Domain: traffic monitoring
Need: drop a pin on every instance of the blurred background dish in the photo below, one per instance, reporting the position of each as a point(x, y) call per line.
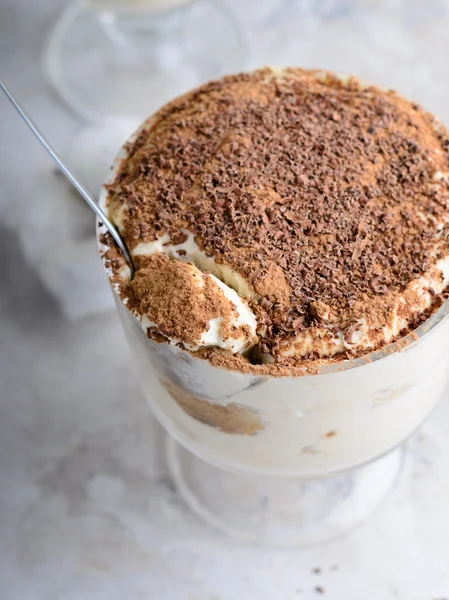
point(115, 59)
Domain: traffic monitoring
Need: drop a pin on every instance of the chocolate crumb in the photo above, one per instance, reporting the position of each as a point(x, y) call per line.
point(331, 434)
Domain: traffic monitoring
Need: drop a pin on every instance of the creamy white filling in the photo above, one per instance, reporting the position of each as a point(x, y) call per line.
point(120, 216)
point(440, 176)
point(199, 258)
point(213, 335)
point(328, 343)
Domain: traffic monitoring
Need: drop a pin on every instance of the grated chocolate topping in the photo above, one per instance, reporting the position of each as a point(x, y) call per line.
point(328, 197)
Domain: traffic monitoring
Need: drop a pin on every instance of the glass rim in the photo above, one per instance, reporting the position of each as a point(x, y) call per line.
point(401, 344)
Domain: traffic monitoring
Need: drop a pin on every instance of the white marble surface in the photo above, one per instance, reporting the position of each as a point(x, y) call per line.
point(87, 510)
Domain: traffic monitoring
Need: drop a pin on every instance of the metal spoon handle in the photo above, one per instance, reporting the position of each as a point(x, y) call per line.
point(76, 184)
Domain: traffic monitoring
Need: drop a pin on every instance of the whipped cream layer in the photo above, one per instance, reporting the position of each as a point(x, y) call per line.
point(190, 252)
point(234, 330)
point(333, 339)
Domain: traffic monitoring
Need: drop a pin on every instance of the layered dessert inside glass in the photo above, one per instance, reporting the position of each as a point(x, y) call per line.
point(290, 236)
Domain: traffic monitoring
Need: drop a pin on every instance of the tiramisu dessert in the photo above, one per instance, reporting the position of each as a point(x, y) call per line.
point(283, 222)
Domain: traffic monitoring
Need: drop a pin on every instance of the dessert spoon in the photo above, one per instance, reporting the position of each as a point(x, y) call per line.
point(72, 179)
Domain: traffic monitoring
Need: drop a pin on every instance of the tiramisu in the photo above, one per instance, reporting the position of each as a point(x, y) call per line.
point(283, 217)
point(289, 223)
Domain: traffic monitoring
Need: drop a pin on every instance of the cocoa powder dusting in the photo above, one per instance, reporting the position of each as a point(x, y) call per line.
point(230, 418)
point(324, 195)
point(194, 300)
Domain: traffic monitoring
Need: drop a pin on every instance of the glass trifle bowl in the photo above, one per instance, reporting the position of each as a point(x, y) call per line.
point(290, 456)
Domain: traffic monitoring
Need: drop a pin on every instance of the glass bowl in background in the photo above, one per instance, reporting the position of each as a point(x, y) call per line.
point(125, 58)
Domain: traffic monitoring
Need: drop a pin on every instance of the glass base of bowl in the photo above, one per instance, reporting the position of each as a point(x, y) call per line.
point(279, 511)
